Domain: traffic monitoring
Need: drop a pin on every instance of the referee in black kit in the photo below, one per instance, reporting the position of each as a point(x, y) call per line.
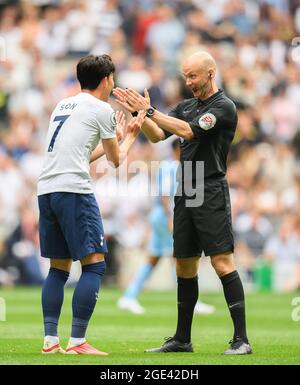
point(206, 125)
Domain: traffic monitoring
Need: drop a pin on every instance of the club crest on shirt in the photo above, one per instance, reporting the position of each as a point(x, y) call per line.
point(113, 119)
point(207, 121)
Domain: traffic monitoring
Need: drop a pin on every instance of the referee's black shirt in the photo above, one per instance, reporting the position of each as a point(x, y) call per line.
point(213, 122)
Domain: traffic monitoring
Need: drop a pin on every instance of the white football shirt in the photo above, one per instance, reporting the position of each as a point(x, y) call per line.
point(76, 126)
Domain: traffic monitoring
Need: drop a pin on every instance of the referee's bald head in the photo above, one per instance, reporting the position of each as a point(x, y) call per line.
point(202, 61)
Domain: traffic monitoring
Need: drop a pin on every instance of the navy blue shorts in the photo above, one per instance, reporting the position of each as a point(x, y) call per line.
point(70, 226)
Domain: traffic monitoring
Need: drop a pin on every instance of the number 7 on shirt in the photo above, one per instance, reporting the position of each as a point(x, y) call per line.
point(61, 119)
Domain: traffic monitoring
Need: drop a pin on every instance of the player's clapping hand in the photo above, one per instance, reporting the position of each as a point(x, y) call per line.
point(135, 124)
point(121, 125)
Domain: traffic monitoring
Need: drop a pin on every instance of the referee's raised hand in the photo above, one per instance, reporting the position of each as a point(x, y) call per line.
point(121, 99)
point(131, 100)
point(137, 101)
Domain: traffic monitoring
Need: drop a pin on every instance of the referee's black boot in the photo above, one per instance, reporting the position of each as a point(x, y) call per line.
point(171, 345)
point(238, 347)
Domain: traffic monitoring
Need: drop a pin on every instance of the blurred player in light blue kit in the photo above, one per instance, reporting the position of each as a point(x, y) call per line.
point(161, 240)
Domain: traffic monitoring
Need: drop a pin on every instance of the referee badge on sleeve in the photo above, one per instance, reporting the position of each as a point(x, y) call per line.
point(207, 121)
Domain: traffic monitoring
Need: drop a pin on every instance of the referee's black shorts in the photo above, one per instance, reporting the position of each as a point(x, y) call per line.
point(206, 228)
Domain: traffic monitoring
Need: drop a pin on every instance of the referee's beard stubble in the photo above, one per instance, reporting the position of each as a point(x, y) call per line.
point(204, 89)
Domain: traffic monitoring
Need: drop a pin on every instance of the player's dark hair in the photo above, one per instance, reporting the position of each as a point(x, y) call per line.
point(92, 69)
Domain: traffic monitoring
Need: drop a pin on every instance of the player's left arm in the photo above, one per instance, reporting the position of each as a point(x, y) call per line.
point(120, 132)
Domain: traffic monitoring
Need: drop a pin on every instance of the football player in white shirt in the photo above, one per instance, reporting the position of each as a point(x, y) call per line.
point(70, 223)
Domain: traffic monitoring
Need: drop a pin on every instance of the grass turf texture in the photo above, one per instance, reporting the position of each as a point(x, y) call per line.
point(274, 335)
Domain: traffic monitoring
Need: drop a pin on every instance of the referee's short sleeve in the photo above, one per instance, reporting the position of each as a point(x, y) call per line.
point(174, 112)
point(106, 121)
point(217, 116)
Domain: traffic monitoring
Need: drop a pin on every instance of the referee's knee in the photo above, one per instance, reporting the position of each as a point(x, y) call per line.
point(223, 263)
point(187, 268)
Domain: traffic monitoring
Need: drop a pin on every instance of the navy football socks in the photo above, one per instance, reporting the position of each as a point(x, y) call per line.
point(85, 297)
point(52, 299)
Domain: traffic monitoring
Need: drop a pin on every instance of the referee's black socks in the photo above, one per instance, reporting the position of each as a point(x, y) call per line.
point(234, 295)
point(187, 296)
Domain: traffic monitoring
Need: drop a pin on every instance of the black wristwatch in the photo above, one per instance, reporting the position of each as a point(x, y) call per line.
point(150, 112)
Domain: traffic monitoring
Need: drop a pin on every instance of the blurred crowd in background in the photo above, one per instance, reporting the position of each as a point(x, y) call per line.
point(255, 47)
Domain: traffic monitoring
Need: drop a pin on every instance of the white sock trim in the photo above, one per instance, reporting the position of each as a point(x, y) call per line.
point(51, 339)
point(76, 341)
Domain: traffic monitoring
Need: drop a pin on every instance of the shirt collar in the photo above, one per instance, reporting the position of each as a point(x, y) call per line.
point(212, 97)
point(86, 95)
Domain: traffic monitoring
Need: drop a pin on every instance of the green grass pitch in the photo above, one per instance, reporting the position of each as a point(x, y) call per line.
point(274, 335)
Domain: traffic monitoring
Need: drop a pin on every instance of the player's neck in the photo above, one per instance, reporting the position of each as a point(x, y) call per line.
point(97, 93)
